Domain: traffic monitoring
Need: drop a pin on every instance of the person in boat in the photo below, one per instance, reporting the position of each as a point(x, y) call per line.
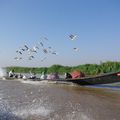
point(53, 76)
point(11, 73)
point(68, 75)
point(33, 76)
point(20, 76)
point(43, 76)
point(24, 77)
point(49, 76)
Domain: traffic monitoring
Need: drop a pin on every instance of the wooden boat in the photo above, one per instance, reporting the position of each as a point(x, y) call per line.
point(99, 79)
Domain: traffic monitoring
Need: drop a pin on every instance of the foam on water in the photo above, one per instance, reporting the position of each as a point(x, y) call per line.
point(42, 111)
point(5, 112)
point(46, 82)
point(43, 82)
point(2, 72)
point(32, 82)
point(76, 116)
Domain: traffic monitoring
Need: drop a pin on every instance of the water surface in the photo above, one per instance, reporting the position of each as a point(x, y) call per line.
point(32, 100)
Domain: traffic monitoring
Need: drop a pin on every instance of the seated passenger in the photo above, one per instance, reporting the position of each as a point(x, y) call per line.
point(49, 76)
point(68, 75)
point(33, 76)
point(56, 76)
point(53, 76)
point(24, 77)
point(43, 76)
point(20, 76)
point(11, 74)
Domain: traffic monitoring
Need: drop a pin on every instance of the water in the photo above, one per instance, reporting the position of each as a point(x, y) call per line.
point(30, 100)
point(113, 86)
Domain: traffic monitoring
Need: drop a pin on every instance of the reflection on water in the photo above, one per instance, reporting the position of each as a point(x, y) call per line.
point(33, 100)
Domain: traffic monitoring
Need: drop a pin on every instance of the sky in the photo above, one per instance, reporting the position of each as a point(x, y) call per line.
point(96, 23)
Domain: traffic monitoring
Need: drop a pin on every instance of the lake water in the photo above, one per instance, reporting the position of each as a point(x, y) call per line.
point(35, 100)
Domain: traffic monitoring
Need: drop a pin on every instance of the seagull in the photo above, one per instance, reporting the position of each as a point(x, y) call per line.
point(55, 53)
point(26, 47)
point(32, 56)
point(46, 38)
point(76, 49)
point(41, 44)
point(36, 47)
point(18, 51)
point(17, 58)
point(72, 37)
point(32, 50)
point(22, 49)
point(45, 50)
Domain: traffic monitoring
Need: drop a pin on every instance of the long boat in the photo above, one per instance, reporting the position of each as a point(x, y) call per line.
point(99, 79)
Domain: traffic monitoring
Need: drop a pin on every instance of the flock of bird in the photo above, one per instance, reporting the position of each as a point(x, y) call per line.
point(31, 51)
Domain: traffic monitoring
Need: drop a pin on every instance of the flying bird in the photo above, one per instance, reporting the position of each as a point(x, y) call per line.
point(34, 49)
point(31, 57)
point(54, 53)
point(18, 58)
point(41, 44)
point(46, 38)
point(26, 47)
point(22, 49)
point(72, 37)
point(45, 51)
point(76, 49)
point(18, 51)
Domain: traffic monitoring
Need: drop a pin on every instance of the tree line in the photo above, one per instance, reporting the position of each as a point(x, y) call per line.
point(88, 69)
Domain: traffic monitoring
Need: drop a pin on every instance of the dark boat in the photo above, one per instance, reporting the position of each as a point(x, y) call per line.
point(99, 79)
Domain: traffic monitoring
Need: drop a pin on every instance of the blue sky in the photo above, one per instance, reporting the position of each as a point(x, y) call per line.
point(95, 22)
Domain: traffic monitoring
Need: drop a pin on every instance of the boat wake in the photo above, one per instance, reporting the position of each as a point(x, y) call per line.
point(2, 73)
point(46, 82)
point(26, 112)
